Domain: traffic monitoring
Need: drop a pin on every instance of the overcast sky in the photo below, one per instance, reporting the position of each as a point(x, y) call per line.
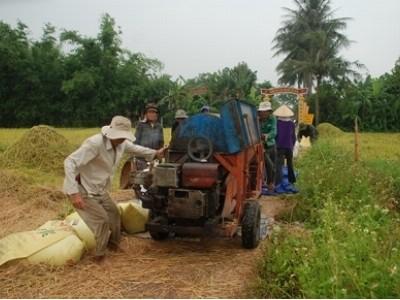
point(197, 36)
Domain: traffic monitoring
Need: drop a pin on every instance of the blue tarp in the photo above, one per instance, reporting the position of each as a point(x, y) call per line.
point(232, 132)
point(284, 187)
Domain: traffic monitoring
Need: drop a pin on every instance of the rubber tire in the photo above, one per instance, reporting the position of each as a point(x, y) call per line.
point(251, 224)
point(158, 236)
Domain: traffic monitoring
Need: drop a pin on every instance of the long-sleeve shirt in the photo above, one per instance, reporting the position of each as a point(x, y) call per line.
point(96, 161)
point(149, 135)
point(268, 127)
point(286, 136)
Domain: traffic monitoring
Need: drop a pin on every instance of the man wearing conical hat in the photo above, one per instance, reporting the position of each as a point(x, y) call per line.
point(285, 140)
point(88, 173)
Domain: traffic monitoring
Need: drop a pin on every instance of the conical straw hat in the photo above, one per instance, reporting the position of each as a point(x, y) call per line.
point(283, 111)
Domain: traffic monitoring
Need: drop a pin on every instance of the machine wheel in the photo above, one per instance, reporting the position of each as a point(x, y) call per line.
point(200, 149)
point(251, 224)
point(158, 236)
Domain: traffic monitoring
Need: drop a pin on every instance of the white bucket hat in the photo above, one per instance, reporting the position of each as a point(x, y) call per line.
point(283, 111)
point(264, 106)
point(120, 128)
point(181, 114)
point(205, 108)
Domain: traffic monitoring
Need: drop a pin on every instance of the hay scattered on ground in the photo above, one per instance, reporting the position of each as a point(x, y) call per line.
point(217, 268)
point(210, 268)
point(12, 183)
point(16, 185)
point(41, 147)
point(25, 206)
point(329, 130)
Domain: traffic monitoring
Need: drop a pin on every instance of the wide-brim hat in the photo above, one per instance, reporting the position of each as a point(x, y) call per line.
point(181, 114)
point(205, 108)
point(264, 106)
point(283, 111)
point(151, 106)
point(120, 128)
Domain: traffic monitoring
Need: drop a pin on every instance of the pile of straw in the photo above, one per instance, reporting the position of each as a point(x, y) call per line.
point(329, 130)
point(41, 147)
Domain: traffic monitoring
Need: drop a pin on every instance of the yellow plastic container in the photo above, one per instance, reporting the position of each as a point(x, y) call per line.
point(133, 217)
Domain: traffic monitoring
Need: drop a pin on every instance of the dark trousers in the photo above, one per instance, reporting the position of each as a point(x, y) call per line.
point(282, 154)
point(270, 162)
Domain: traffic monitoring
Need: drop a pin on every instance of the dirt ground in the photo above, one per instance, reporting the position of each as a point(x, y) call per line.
point(207, 268)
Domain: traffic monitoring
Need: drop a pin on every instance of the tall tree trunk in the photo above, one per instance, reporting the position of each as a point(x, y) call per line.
point(316, 110)
point(308, 82)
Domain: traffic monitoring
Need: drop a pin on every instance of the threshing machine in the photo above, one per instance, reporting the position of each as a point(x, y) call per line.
point(211, 178)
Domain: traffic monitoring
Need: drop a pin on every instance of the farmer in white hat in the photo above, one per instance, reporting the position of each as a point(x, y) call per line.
point(285, 140)
point(88, 173)
point(180, 116)
point(268, 131)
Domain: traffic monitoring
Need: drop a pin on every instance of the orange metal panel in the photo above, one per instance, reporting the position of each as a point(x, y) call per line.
point(239, 187)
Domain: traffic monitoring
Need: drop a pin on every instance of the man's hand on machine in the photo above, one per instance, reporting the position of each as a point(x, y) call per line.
point(161, 152)
point(77, 201)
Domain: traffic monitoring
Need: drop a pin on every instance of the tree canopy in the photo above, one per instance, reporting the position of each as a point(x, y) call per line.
point(73, 80)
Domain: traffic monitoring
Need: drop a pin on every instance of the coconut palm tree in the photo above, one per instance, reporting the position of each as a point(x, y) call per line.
point(311, 39)
point(177, 96)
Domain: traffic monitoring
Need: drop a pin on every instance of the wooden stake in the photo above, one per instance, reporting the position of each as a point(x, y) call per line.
point(356, 141)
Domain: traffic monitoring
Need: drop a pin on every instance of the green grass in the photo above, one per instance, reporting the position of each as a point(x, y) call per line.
point(349, 246)
point(383, 146)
